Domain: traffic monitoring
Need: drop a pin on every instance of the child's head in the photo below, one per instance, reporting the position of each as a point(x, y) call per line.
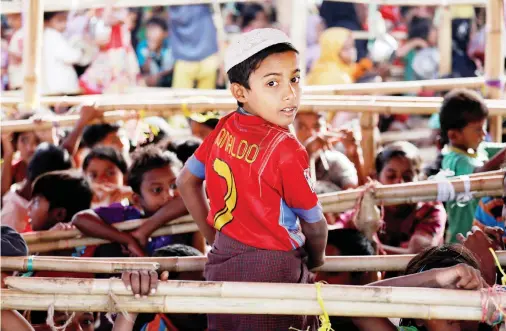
point(105, 165)
point(263, 68)
point(56, 197)
point(337, 45)
point(438, 257)
point(81, 321)
point(254, 17)
point(25, 142)
point(202, 124)
point(106, 135)
point(308, 124)
point(397, 163)
point(156, 32)
point(184, 149)
point(56, 20)
point(152, 177)
point(14, 21)
point(48, 157)
point(463, 119)
point(179, 250)
point(421, 27)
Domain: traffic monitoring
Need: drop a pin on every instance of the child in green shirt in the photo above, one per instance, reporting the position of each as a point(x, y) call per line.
point(463, 120)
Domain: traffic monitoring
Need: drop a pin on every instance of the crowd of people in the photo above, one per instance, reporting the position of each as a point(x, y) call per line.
point(245, 177)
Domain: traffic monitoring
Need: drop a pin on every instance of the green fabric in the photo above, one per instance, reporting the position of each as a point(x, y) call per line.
point(407, 328)
point(491, 148)
point(460, 218)
point(409, 73)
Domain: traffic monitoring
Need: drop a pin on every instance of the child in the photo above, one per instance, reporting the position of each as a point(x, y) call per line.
point(154, 54)
point(148, 322)
point(184, 149)
point(107, 135)
point(15, 58)
point(105, 168)
point(263, 209)
point(202, 124)
point(463, 118)
point(59, 75)
point(46, 158)
point(56, 197)
point(152, 177)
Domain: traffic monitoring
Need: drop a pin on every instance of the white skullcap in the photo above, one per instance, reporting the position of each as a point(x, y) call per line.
point(248, 44)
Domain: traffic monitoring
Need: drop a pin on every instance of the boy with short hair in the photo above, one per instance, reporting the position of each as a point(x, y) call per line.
point(263, 210)
point(152, 177)
point(106, 134)
point(47, 158)
point(56, 197)
point(463, 119)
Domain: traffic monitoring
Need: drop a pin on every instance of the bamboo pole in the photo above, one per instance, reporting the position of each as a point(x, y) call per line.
point(37, 236)
point(197, 263)
point(369, 143)
point(49, 246)
point(69, 265)
point(494, 60)
point(32, 53)
point(15, 300)
point(445, 41)
point(250, 290)
point(298, 32)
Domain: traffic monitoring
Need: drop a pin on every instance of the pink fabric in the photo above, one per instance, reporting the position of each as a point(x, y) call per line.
point(15, 212)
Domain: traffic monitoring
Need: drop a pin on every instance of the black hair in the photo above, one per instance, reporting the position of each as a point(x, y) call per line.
point(459, 108)
point(419, 28)
point(17, 134)
point(398, 149)
point(48, 157)
point(146, 159)
point(249, 13)
point(107, 154)
point(12, 243)
point(241, 72)
point(351, 242)
point(184, 149)
point(157, 21)
point(176, 250)
point(64, 189)
point(444, 256)
point(48, 15)
point(94, 134)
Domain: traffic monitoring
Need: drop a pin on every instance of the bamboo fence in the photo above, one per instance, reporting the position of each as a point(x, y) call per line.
point(494, 60)
point(197, 263)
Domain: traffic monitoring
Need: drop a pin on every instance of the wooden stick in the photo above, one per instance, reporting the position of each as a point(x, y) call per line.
point(445, 41)
point(197, 263)
point(32, 53)
point(14, 6)
point(71, 243)
point(69, 265)
point(230, 290)
point(494, 60)
point(369, 143)
point(32, 237)
point(15, 300)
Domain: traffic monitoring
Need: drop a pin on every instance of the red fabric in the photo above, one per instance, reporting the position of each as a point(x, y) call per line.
point(270, 170)
point(230, 260)
point(19, 169)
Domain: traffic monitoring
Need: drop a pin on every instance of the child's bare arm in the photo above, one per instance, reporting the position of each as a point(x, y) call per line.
point(90, 224)
point(13, 320)
point(494, 163)
point(316, 241)
point(172, 210)
point(8, 152)
point(87, 114)
point(191, 189)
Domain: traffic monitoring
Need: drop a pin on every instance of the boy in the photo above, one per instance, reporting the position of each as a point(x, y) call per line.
point(154, 54)
point(56, 197)
point(46, 158)
point(59, 75)
point(107, 135)
point(257, 179)
point(463, 118)
point(152, 177)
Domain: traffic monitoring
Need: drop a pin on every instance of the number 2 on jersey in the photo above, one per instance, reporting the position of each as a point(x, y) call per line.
point(224, 216)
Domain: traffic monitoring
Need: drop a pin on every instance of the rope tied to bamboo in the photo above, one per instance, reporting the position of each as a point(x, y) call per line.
point(367, 217)
point(50, 319)
point(113, 303)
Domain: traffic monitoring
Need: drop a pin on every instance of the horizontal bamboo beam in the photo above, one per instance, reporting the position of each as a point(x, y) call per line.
point(231, 290)
point(14, 6)
point(11, 300)
point(37, 236)
point(40, 247)
point(197, 263)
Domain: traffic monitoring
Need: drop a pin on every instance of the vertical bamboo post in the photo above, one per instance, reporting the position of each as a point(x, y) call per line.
point(368, 124)
point(445, 41)
point(33, 24)
point(298, 32)
point(494, 60)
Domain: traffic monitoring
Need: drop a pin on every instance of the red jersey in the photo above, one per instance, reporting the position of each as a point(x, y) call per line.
point(257, 181)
